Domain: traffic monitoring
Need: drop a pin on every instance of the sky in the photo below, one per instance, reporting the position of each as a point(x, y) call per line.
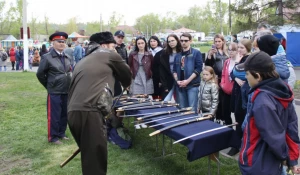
point(59, 11)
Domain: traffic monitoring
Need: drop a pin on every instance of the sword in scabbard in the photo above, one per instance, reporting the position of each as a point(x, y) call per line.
point(78, 150)
point(146, 104)
point(167, 117)
point(204, 132)
point(168, 112)
point(146, 107)
point(126, 104)
point(180, 123)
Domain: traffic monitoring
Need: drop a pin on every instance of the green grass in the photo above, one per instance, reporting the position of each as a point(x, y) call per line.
point(24, 148)
point(204, 49)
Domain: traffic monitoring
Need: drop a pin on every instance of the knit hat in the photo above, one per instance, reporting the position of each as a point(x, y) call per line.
point(103, 38)
point(257, 61)
point(268, 44)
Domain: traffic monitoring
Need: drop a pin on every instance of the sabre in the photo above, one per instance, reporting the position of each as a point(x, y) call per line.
point(78, 150)
point(145, 104)
point(123, 104)
point(180, 123)
point(135, 115)
point(204, 132)
point(146, 107)
point(163, 118)
point(168, 112)
point(152, 126)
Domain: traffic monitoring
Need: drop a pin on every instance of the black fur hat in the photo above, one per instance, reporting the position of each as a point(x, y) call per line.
point(103, 38)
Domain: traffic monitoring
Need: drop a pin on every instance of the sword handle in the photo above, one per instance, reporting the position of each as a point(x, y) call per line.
point(70, 158)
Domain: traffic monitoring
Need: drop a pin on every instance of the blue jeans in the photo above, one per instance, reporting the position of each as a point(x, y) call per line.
point(170, 94)
point(17, 65)
point(188, 97)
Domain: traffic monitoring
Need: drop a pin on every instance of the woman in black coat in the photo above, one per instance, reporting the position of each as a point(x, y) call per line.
point(166, 65)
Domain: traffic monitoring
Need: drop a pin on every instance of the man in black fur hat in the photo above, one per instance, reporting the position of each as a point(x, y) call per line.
point(90, 99)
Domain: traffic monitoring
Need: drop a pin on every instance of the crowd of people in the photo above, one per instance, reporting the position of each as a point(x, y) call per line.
point(16, 57)
point(250, 78)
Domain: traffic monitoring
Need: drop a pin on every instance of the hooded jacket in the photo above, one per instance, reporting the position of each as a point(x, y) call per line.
point(271, 130)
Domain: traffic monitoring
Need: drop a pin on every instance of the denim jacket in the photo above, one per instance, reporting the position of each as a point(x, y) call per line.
point(281, 66)
point(192, 64)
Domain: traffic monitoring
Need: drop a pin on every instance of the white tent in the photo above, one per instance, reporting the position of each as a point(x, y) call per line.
point(10, 41)
point(287, 28)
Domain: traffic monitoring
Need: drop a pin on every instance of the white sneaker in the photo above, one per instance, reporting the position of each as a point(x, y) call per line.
point(137, 126)
point(144, 126)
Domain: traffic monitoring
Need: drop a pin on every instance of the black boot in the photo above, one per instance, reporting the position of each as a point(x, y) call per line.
point(233, 151)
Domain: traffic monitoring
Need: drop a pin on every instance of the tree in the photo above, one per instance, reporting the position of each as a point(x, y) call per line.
point(148, 24)
point(114, 20)
point(276, 13)
point(46, 20)
point(33, 27)
point(71, 25)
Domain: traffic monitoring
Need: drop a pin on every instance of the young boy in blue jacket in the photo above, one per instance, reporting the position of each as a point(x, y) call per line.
point(270, 134)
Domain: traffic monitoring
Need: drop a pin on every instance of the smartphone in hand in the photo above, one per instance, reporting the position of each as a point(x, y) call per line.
point(213, 46)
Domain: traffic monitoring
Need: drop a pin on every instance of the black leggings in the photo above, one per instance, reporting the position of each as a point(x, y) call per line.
point(13, 65)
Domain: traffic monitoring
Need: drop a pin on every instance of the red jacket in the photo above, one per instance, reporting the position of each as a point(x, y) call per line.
point(147, 62)
point(12, 54)
point(226, 84)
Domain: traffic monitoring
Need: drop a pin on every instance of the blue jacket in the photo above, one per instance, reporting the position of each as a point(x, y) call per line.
point(270, 130)
point(192, 64)
point(77, 53)
point(281, 66)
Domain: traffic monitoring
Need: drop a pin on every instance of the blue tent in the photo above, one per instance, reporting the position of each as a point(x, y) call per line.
point(292, 48)
point(292, 35)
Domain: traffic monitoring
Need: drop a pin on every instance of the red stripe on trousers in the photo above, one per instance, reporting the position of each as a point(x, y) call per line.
point(49, 117)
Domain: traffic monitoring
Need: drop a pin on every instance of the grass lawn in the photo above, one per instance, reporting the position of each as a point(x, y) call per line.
point(24, 148)
point(204, 49)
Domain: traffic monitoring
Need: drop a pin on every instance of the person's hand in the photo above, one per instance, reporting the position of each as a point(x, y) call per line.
point(184, 83)
point(210, 116)
point(239, 81)
point(212, 51)
point(295, 169)
point(159, 84)
point(179, 83)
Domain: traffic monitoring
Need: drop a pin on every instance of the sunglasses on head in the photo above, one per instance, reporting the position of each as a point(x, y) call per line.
point(60, 41)
point(184, 40)
point(140, 37)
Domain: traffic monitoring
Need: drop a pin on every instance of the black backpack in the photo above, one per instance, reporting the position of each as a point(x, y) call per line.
point(3, 56)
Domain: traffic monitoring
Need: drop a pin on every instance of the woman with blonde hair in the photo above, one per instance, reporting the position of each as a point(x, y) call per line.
point(215, 58)
point(227, 83)
point(239, 96)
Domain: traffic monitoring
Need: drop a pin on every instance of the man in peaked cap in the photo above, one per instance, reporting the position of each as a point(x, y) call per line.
point(54, 73)
point(121, 49)
point(90, 100)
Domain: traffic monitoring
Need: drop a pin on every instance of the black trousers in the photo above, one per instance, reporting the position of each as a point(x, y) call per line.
point(13, 65)
point(226, 112)
point(239, 118)
point(57, 116)
point(89, 132)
